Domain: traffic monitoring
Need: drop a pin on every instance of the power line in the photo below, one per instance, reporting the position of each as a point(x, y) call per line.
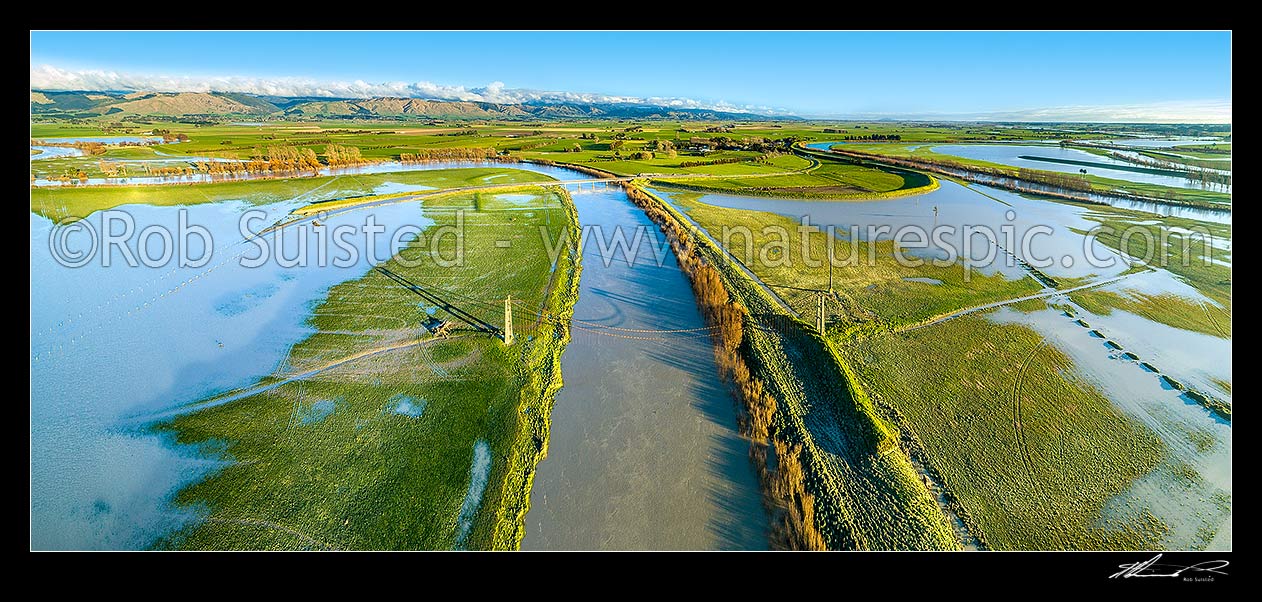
point(535, 313)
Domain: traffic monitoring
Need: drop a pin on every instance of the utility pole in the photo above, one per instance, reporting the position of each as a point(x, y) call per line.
point(819, 317)
point(508, 320)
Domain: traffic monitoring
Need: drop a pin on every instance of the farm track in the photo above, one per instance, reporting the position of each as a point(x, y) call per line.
point(985, 306)
point(1209, 315)
point(255, 390)
point(1017, 417)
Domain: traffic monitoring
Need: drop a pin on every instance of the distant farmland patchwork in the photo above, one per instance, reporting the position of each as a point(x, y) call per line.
point(881, 404)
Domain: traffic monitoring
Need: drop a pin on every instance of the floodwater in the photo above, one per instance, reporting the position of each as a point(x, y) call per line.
point(644, 449)
point(104, 139)
point(396, 187)
point(1194, 357)
point(58, 152)
point(372, 168)
point(823, 145)
point(1012, 154)
point(1159, 142)
point(109, 345)
point(479, 472)
point(55, 152)
point(644, 452)
point(956, 205)
point(1219, 216)
point(1194, 438)
point(1137, 155)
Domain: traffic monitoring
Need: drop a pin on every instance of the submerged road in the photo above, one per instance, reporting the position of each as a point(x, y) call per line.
point(1040, 295)
point(284, 380)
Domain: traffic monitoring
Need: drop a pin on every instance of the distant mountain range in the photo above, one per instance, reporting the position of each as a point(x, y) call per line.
point(225, 104)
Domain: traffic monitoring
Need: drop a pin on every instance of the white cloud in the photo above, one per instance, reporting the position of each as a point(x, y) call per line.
point(49, 77)
point(1181, 111)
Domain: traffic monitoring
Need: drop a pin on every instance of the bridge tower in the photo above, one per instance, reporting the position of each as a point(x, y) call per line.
point(508, 320)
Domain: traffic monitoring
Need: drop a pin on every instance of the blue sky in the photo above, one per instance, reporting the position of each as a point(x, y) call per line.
point(962, 74)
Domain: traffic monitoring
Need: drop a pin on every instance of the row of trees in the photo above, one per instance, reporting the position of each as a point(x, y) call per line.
point(112, 169)
point(1054, 179)
point(752, 144)
point(525, 146)
point(1068, 186)
point(67, 177)
point(449, 154)
point(282, 158)
point(339, 155)
point(875, 137)
point(1206, 176)
point(276, 159)
point(168, 170)
point(723, 161)
point(763, 158)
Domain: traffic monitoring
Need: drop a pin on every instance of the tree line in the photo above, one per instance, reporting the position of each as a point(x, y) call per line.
point(467, 153)
point(751, 144)
point(339, 155)
point(1054, 179)
point(875, 137)
point(1206, 176)
point(1029, 180)
point(763, 158)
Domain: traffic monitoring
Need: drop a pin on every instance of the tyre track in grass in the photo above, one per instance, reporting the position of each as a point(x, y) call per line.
point(267, 524)
point(1017, 415)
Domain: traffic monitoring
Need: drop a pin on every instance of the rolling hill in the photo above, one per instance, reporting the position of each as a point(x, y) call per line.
point(228, 104)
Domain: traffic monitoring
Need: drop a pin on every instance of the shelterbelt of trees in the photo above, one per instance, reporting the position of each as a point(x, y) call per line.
point(466, 153)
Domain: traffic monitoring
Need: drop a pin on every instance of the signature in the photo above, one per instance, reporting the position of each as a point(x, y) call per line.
point(1152, 568)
